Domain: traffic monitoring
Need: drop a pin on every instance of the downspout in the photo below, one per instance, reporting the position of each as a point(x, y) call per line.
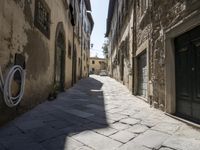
point(151, 52)
point(134, 47)
point(73, 79)
point(81, 36)
point(117, 47)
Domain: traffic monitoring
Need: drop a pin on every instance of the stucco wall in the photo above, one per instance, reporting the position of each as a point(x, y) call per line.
point(19, 35)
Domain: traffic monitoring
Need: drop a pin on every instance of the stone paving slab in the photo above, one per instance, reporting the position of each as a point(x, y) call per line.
point(123, 136)
point(97, 141)
point(133, 146)
point(165, 148)
point(62, 143)
point(165, 127)
point(182, 143)
point(20, 142)
point(106, 131)
point(151, 139)
point(116, 117)
point(129, 121)
point(100, 108)
point(1, 147)
point(28, 125)
point(9, 131)
point(97, 113)
point(78, 113)
point(138, 129)
point(82, 148)
point(120, 126)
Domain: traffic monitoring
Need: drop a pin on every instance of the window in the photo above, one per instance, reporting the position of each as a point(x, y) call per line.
point(69, 50)
point(99, 62)
point(93, 62)
point(93, 69)
point(72, 13)
point(42, 17)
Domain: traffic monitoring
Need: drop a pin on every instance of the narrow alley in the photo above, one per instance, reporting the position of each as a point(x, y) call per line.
point(99, 75)
point(97, 113)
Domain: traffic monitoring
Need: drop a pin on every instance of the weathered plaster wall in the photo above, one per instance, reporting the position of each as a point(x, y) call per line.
point(120, 43)
point(19, 35)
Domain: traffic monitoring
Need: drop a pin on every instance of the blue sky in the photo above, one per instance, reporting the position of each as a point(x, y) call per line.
point(99, 13)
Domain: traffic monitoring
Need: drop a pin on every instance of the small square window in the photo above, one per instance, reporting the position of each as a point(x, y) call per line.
point(93, 62)
point(42, 17)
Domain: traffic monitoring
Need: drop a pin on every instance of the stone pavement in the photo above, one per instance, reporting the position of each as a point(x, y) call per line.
point(97, 113)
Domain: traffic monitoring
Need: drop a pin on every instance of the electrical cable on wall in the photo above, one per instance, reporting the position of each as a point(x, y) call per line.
point(6, 86)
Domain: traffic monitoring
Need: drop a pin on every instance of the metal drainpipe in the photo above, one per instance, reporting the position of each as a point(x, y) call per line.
point(81, 37)
point(117, 48)
point(73, 80)
point(134, 48)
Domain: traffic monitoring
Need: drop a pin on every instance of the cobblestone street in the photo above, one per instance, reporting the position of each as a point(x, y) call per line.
point(97, 113)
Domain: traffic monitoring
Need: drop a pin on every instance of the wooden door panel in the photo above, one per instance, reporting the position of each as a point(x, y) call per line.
point(184, 107)
point(187, 58)
point(183, 77)
point(183, 80)
point(196, 70)
point(196, 111)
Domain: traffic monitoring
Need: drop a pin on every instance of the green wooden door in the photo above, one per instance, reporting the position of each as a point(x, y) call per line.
point(187, 58)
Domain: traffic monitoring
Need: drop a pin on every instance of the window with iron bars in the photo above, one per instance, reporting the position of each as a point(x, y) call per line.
point(42, 17)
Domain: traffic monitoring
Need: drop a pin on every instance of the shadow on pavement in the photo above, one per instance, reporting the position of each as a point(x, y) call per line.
point(50, 125)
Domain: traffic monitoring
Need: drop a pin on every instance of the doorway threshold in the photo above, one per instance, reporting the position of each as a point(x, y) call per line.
point(184, 120)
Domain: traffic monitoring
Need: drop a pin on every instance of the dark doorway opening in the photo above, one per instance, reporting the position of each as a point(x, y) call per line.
point(60, 51)
point(122, 67)
point(74, 66)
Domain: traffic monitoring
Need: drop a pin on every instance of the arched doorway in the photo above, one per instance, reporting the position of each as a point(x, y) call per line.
point(60, 51)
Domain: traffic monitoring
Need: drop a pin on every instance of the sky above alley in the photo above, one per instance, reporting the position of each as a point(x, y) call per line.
point(99, 12)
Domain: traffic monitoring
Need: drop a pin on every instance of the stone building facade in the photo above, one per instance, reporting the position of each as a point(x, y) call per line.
point(46, 36)
point(119, 33)
point(165, 53)
point(97, 64)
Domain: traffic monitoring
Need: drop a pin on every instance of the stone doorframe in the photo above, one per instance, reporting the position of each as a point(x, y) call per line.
point(143, 48)
point(169, 35)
